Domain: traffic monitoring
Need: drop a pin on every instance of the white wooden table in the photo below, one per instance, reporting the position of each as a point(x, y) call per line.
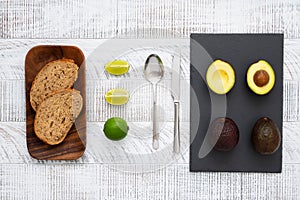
point(78, 22)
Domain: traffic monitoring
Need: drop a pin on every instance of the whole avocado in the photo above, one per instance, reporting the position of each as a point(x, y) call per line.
point(224, 134)
point(266, 137)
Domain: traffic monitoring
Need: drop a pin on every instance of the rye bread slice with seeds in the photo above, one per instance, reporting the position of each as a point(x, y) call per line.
point(56, 75)
point(56, 115)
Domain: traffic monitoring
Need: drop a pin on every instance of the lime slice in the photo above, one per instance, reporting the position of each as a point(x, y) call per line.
point(115, 128)
point(117, 96)
point(117, 67)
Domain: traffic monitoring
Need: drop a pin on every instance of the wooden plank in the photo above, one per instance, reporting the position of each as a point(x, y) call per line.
point(291, 138)
point(13, 54)
point(135, 149)
point(138, 19)
point(89, 181)
point(11, 70)
point(13, 109)
point(54, 19)
point(272, 186)
point(12, 106)
point(183, 184)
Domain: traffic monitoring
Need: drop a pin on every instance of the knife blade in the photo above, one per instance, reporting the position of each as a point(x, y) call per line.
point(175, 85)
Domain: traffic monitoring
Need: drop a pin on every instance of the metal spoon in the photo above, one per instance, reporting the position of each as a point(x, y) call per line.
point(154, 71)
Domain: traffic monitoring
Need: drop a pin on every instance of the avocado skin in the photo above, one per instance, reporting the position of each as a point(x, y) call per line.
point(265, 136)
point(226, 132)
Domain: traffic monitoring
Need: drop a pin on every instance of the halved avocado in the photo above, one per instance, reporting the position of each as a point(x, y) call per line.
point(261, 77)
point(220, 77)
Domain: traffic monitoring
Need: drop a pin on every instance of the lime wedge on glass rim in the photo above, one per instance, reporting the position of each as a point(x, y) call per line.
point(117, 96)
point(117, 67)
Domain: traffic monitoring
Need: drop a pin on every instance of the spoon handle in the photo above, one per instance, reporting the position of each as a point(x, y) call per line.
point(155, 143)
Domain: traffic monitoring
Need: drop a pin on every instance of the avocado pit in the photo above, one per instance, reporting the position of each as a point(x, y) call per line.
point(261, 78)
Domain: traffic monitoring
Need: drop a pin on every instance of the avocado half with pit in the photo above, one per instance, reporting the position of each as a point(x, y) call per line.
point(220, 77)
point(261, 77)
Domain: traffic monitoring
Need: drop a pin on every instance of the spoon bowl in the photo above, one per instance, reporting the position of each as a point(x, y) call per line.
point(154, 69)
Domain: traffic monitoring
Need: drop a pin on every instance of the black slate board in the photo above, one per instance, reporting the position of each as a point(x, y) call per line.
point(242, 105)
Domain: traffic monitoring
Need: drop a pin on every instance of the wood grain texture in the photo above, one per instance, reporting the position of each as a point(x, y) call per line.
point(99, 149)
point(125, 18)
point(11, 73)
point(13, 52)
point(90, 181)
point(90, 178)
point(74, 144)
point(140, 19)
point(14, 150)
point(13, 109)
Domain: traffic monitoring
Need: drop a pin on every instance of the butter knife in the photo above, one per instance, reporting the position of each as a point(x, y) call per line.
point(175, 85)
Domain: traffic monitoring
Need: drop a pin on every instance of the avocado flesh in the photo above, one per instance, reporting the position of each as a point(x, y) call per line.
point(265, 136)
point(261, 77)
point(220, 77)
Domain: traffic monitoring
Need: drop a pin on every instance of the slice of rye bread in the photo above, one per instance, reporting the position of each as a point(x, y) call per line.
point(56, 75)
point(56, 115)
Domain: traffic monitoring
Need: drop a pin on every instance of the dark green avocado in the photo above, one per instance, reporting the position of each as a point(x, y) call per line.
point(224, 134)
point(266, 136)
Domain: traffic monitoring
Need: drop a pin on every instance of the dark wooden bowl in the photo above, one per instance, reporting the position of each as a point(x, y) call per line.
point(74, 144)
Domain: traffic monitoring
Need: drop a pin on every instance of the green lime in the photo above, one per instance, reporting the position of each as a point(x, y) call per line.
point(115, 128)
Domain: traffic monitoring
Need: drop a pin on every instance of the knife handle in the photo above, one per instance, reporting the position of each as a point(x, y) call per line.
point(176, 147)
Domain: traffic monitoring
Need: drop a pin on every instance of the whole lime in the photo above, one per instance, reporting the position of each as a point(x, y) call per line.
point(115, 128)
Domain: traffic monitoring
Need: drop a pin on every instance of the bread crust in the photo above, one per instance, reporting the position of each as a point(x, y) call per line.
point(56, 75)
